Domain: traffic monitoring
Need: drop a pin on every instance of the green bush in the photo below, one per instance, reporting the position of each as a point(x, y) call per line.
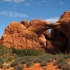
point(10, 58)
point(61, 55)
point(62, 63)
point(18, 68)
point(37, 60)
point(1, 62)
point(15, 63)
point(26, 52)
point(24, 61)
point(3, 50)
point(65, 66)
point(29, 64)
point(59, 60)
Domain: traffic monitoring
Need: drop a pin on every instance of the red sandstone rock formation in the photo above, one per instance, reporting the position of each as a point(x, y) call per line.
point(19, 36)
point(35, 35)
point(60, 35)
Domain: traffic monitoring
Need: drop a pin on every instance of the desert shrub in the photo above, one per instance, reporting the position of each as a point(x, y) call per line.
point(37, 60)
point(65, 66)
point(26, 52)
point(3, 50)
point(7, 59)
point(18, 68)
point(10, 58)
point(44, 59)
point(1, 62)
point(24, 61)
point(59, 60)
point(29, 64)
point(61, 55)
point(15, 63)
point(43, 63)
point(62, 63)
point(47, 57)
point(32, 52)
point(13, 50)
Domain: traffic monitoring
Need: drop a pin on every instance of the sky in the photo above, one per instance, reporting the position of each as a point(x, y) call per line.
point(18, 10)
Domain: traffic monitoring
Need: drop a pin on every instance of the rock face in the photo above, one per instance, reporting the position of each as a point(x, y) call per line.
point(65, 29)
point(24, 35)
point(60, 35)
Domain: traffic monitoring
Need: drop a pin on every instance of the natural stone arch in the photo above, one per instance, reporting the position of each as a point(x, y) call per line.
point(58, 38)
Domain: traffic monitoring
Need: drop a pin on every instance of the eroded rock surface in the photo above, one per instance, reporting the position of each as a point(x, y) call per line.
point(24, 35)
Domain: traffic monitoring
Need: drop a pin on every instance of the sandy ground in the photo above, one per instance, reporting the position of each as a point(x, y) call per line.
point(37, 66)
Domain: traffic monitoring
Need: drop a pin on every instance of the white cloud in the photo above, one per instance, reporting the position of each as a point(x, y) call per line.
point(27, 4)
point(16, 1)
point(61, 3)
point(54, 19)
point(13, 14)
